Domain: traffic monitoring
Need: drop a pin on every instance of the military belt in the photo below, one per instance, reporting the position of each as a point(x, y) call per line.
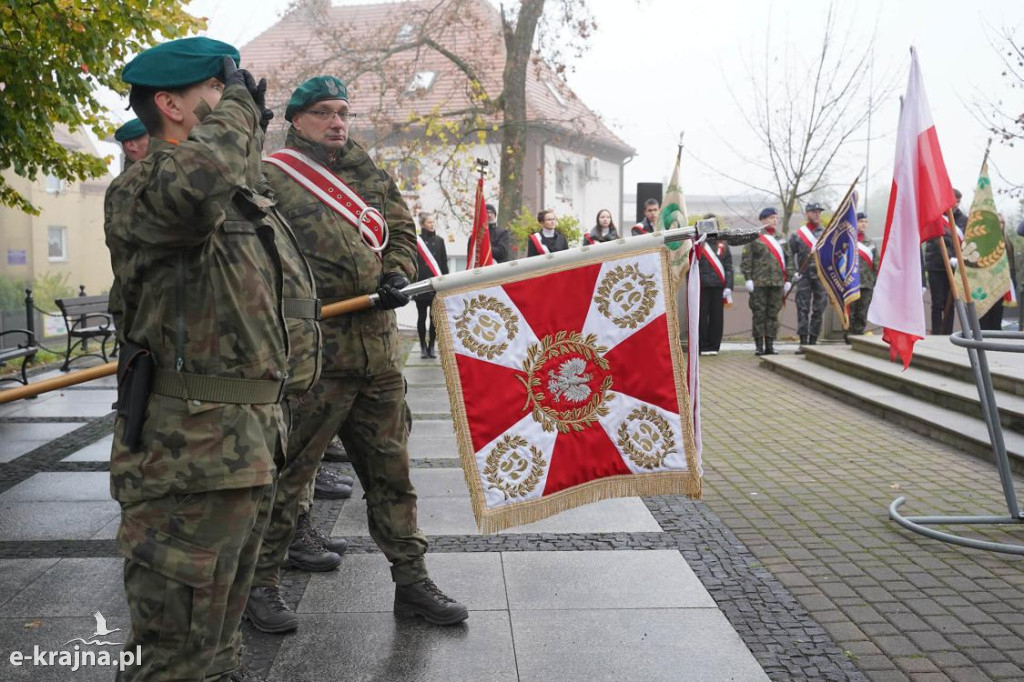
point(302, 308)
point(216, 389)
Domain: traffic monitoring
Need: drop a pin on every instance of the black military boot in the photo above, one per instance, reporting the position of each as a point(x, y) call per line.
point(243, 674)
point(803, 342)
point(267, 612)
point(307, 554)
point(427, 600)
point(336, 545)
point(329, 486)
point(813, 340)
point(335, 452)
point(423, 350)
point(769, 346)
point(758, 345)
point(430, 344)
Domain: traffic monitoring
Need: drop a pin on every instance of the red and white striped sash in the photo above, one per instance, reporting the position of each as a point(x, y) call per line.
point(807, 237)
point(538, 244)
point(866, 254)
point(775, 248)
point(714, 262)
point(427, 256)
point(335, 194)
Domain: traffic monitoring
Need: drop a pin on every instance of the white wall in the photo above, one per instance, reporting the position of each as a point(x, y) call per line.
point(589, 194)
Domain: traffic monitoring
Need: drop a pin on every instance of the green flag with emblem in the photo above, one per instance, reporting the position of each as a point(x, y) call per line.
point(984, 249)
point(672, 216)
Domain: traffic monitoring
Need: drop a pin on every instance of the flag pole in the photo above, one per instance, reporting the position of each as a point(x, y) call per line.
point(828, 227)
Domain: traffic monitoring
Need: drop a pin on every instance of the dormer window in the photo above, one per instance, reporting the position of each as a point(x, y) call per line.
point(554, 93)
point(421, 82)
point(405, 33)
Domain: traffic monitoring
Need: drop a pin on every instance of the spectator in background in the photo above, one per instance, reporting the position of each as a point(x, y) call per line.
point(938, 282)
point(646, 226)
point(716, 276)
point(499, 236)
point(767, 267)
point(867, 257)
point(435, 247)
point(547, 239)
point(603, 230)
point(811, 299)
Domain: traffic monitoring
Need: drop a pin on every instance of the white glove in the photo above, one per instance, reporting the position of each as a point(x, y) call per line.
point(924, 289)
point(797, 276)
point(727, 293)
point(749, 285)
point(786, 287)
point(952, 263)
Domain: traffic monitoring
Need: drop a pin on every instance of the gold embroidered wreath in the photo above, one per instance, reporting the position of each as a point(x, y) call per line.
point(496, 464)
point(645, 294)
point(651, 443)
point(469, 327)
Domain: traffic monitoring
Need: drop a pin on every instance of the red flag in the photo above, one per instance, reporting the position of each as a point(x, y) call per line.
point(480, 238)
point(921, 193)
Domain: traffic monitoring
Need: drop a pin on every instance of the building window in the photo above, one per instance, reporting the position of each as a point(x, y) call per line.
point(57, 238)
point(54, 185)
point(422, 81)
point(563, 179)
point(555, 93)
point(405, 33)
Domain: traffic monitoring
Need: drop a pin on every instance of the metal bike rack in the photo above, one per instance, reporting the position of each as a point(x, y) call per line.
point(976, 345)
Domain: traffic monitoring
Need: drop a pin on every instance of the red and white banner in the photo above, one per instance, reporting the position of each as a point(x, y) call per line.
point(479, 252)
point(335, 194)
point(427, 256)
point(538, 244)
point(921, 193)
point(693, 347)
point(552, 409)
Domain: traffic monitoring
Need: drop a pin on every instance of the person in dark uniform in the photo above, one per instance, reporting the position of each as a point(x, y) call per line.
point(435, 245)
point(499, 236)
point(651, 208)
point(716, 277)
point(547, 239)
point(603, 229)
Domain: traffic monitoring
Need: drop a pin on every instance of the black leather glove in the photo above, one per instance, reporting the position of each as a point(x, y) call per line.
point(258, 91)
point(266, 115)
point(389, 294)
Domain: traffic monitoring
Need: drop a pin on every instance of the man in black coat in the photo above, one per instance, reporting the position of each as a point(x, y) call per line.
point(716, 277)
point(499, 236)
point(436, 248)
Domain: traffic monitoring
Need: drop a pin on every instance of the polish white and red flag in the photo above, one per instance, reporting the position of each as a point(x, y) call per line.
point(568, 387)
point(921, 193)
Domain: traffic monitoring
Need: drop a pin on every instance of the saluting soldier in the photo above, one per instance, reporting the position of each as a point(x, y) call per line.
point(811, 298)
point(867, 256)
point(203, 360)
point(767, 267)
point(358, 236)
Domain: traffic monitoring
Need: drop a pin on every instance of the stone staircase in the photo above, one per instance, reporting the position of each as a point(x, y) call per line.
point(936, 396)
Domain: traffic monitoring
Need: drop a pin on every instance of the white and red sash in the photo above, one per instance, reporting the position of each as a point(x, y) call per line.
point(1010, 296)
point(867, 254)
point(335, 194)
point(427, 256)
point(807, 237)
point(775, 248)
point(714, 262)
point(538, 244)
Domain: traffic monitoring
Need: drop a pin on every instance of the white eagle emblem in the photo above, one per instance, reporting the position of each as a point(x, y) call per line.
point(570, 383)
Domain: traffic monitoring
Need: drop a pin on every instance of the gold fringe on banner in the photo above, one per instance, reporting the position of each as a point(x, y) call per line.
point(633, 485)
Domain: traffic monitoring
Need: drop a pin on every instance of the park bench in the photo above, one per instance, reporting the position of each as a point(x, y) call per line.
point(86, 317)
point(27, 350)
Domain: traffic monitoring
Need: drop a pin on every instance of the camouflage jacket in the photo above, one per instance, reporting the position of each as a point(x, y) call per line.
point(365, 342)
point(802, 252)
point(759, 264)
point(192, 247)
point(868, 273)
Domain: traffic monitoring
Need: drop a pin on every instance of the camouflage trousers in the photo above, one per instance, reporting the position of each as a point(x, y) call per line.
point(765, 304)
point(859, 312)
point(189, 566)
point(369, 414)
point(811, 300)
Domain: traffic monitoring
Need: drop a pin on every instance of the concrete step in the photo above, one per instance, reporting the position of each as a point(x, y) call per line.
point(938, 354)
point(938, 388)
point(945, 425)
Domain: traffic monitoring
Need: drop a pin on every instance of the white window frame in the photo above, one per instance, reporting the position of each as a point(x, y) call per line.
point(63, 258)
point(421, 82)
point(563, 179)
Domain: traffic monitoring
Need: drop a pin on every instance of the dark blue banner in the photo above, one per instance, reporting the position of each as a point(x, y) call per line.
point(836, 255)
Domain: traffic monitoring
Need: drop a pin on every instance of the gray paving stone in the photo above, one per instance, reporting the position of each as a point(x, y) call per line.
point(429, 401)
point(18, 438)
point(362, 584)
point(434, 448)
point(618, 515)
point(55, 520)
point(22, 634)
point(630, 644)
point(16, 574)
point(432, 428)
point(431, 483)
point(602, 580)
point(75, 587)
point(67, 404)
point(379, 647)
point(61, 486)
point(435, 515)
point(94, 452)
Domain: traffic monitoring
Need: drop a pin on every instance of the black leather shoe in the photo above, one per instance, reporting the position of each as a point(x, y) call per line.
point(769, 346)
point(307, 554)
point(423, 351)
point(267, 612)
point(425, 599)
point(759, 345)
point(335, 452)
point(336, 545)
point(329, 487)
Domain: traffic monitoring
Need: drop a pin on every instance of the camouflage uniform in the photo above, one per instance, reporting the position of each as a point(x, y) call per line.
point(868, 274)
point(360, 395)
point(811, 298)
point(761, 266)
point(199, 281)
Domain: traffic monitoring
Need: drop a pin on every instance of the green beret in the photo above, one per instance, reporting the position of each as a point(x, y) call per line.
point(315, 90)
point(130, 130)
point(179, 63)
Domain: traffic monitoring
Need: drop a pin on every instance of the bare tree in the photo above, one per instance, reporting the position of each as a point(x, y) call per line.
point(428, 36)
point(804, 113)
point(1004, 116)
